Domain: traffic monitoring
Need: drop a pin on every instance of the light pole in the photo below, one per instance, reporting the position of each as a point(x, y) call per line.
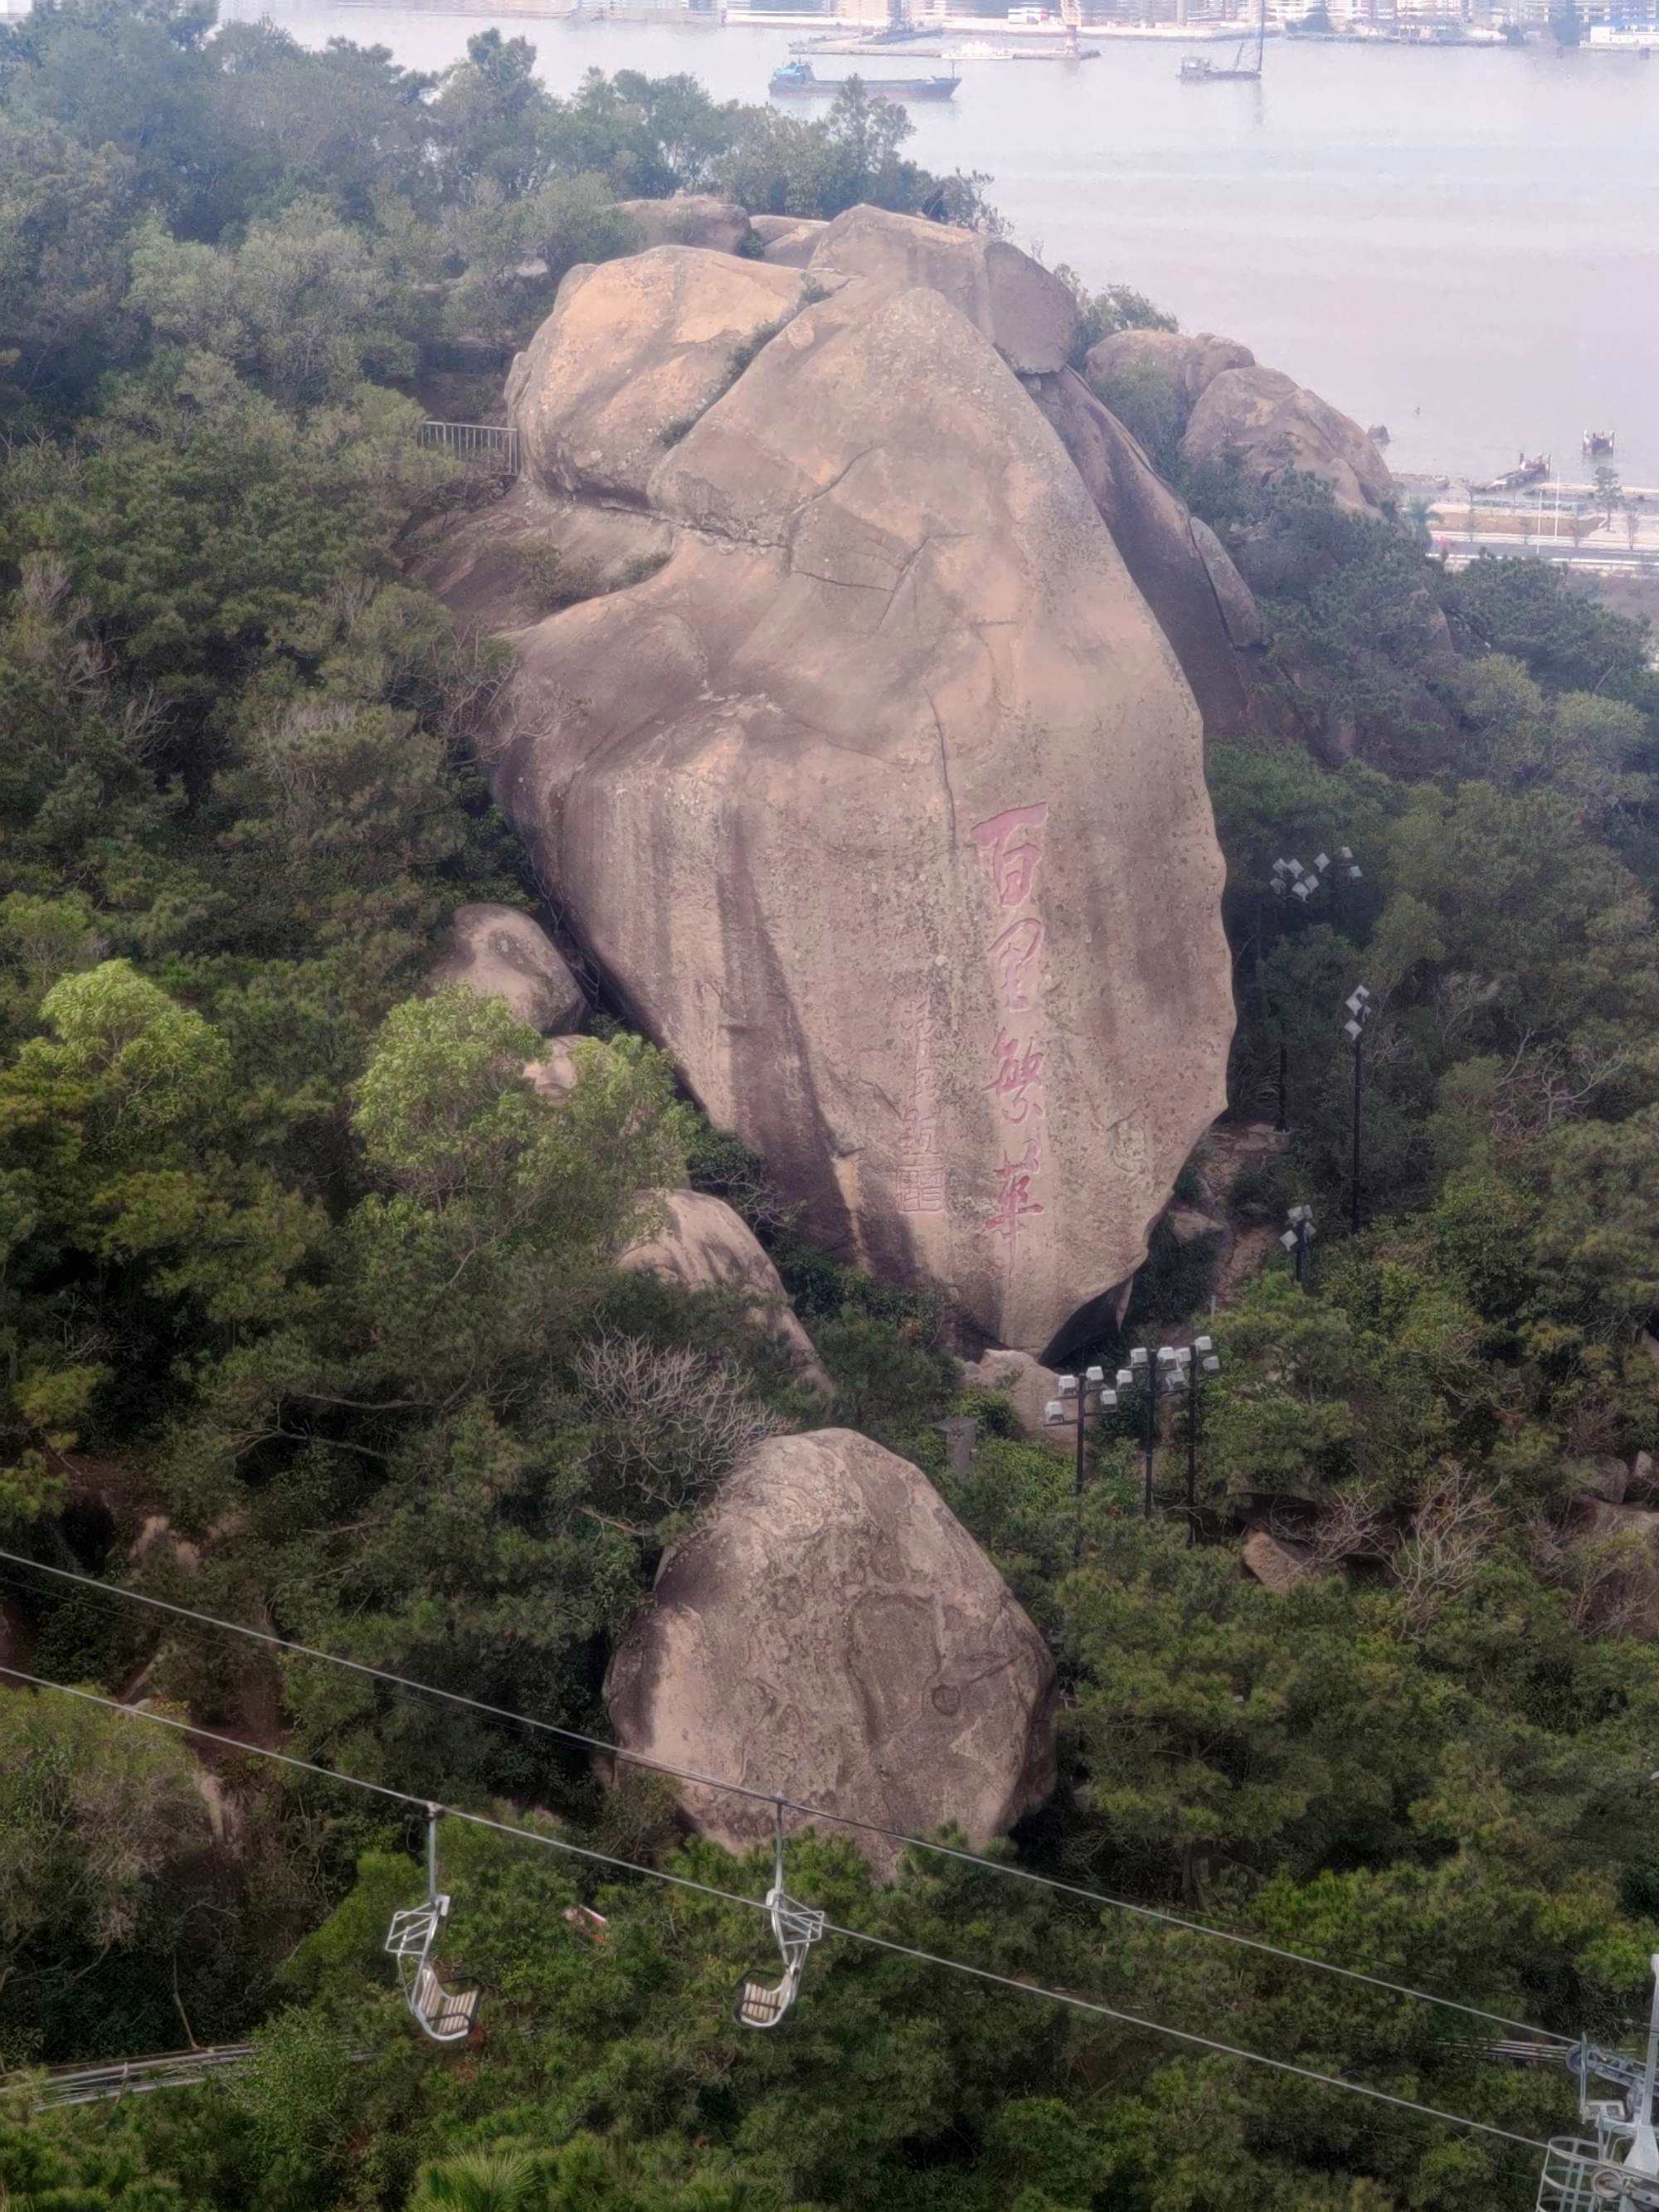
point(1298, 1240)
point(1140, 1375)
point(1289, 881)
point(1185, 1367)
point(1360, 1012)
point(1072, 1406)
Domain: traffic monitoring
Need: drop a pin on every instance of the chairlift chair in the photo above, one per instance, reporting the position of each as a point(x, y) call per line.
point(444, 2011)
point(761, 2003)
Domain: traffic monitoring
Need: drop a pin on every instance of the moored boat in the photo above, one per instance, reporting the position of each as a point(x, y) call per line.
point(800, 80)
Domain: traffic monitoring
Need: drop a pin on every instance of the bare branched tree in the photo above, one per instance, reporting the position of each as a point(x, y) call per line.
point(1453, 1529)
point(671, 1422)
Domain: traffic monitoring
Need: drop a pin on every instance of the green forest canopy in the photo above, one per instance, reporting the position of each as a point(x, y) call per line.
point(341, 1347)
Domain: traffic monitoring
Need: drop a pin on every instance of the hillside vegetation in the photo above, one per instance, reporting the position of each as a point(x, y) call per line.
point(309, 1322)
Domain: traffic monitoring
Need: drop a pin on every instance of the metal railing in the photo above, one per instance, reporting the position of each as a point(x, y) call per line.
point(124, 2077)
point(492, 448)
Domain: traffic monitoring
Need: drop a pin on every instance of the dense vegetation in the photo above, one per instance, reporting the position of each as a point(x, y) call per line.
point(308, 1319)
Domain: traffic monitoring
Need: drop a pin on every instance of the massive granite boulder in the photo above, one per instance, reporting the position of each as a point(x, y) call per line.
point(879, 801)
point(700, 1243)
point(1029, 315)
point(497, 952)
point(1270, 425)
point(831, 1632)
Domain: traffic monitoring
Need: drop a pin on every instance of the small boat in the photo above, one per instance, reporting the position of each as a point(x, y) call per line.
point(1198, 69)
point(1600, 441)
point(798, 79)
point(1528, 469)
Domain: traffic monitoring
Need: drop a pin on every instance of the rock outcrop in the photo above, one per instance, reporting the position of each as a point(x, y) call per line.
point(1203, 605)
point(690, 219)
point(1190, 360)
point(1234, 409)
point(787, 239)
point(830, 1631)
point(702, 1245)
point(1027, 1384)
point(1271, 426)
point(894, 833)
point(497, 952)
point(1028, 313)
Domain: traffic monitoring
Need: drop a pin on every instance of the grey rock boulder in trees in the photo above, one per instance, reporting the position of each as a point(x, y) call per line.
point(702, 1244)
point(496, 952)
point(831, 1632)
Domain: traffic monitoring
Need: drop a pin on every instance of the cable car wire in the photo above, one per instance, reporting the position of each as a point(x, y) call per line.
point(755, 1905)
point(806, 1811)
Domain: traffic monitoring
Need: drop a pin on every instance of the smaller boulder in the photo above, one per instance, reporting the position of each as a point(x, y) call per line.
point(496, 952)
point(830, 1630)
point(1026, 1383)
point(1272, 428)
point(556, 1075)
point(1276, 1562)
point(690, 219)
point(1029, 315)
point(1608, 1478)
point(1642, 1487)
point(786, 240)
point(703, 1245)
point(1189, 362)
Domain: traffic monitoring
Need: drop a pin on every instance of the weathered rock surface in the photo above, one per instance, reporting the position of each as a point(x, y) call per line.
point(497, 952)
point(634, 352)
point(1271, 426)
point(1203, 605)
point(1190, 361)
point(1026, 1383)
point(833, 1633)
point(788, 241)
point(1277, 1563)
point(1029, 315)
point(895, 834)
point(703, 1245)
point(557, 1072)
point(690, 219)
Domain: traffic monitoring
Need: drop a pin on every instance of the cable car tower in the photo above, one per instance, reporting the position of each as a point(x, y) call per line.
point(1619, 2172)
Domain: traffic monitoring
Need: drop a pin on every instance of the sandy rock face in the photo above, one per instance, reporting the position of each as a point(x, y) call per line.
point(787, 239)
point(497, 952)
point(1272, 426)
point(881, 803)
point(1028, 314)
point(690, 219)
point(703, 1245)
point(833, 1633)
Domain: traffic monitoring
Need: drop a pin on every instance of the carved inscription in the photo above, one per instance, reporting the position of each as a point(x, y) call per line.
point(1010, 845)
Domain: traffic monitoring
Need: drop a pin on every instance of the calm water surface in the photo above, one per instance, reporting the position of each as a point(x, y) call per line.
point(1462, 243)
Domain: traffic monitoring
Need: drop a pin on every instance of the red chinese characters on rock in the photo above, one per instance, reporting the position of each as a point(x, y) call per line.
point(1010, 844)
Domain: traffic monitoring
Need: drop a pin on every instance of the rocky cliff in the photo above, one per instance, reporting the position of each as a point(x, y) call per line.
point(868, 765)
